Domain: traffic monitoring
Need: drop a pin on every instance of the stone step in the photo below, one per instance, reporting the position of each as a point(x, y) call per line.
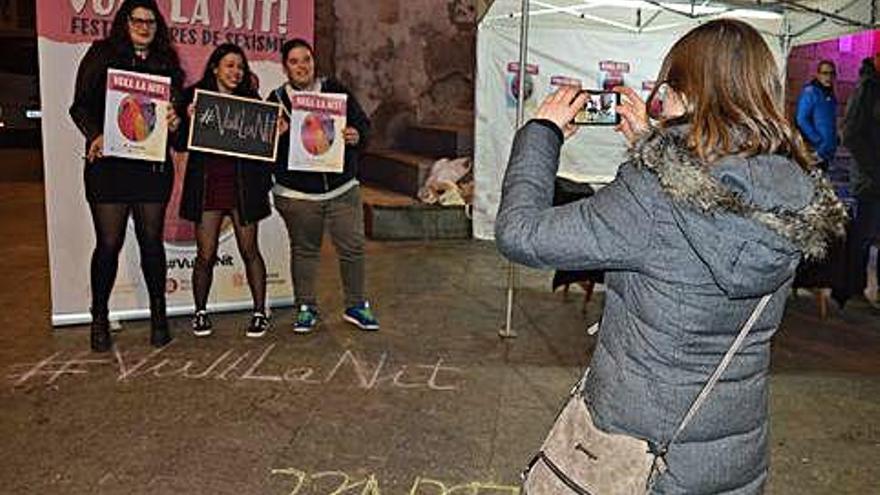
point(437, 141)
point(377, 195)
point(392, 216)
point(396, 171)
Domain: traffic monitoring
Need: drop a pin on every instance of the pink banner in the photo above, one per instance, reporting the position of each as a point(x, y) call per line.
point(131, 83)
point(316, 103)
point(197, 26)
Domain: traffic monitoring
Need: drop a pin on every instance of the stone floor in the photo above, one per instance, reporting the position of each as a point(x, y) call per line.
point(432, 404)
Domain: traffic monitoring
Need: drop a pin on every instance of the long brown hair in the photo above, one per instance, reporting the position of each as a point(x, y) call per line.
point(730, 84)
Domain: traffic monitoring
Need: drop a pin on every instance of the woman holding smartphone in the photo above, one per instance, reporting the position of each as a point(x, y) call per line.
point(703, 226)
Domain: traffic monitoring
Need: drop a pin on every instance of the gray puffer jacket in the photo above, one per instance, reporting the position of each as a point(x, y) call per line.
point(688, 252)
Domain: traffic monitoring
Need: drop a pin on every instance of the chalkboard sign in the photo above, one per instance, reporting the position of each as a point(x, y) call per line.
point(235, 126)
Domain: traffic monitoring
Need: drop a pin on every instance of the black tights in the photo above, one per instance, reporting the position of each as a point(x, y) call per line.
point(207, 237)
point(110, 221)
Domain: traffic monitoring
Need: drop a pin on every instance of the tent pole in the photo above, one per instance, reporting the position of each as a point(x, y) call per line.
point(507, 331)
point(785, 46)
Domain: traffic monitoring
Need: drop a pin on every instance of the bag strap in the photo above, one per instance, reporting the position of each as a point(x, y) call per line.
point(734, 347)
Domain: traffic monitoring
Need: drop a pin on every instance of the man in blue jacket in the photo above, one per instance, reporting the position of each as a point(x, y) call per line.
point(307, 201)
point(817, 113)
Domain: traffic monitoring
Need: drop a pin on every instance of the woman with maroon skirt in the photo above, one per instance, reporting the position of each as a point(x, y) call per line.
point(217, 186)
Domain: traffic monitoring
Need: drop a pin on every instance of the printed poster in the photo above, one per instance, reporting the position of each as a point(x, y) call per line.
point(317, 122)
point(135, 116)
point(512, 93)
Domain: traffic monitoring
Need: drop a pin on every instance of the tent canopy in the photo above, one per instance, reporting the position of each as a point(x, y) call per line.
point(803, 21)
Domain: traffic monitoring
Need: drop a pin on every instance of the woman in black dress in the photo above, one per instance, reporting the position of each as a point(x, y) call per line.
point(118, 187)
point(217, 186)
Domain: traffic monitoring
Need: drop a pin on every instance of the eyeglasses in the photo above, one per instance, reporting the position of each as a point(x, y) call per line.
point(143, 23)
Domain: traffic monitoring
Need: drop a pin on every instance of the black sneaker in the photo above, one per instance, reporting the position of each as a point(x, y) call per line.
point(259, 325)
point(201, 324)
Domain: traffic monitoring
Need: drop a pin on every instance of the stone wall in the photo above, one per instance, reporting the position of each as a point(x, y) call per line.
point(408, 61)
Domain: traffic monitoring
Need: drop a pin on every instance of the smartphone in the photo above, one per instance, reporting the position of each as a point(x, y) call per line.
point(599, 109)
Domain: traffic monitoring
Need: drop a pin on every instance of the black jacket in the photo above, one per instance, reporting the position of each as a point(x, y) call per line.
point(862, 132)
point(314, 182)
point(87, 109)
point(253, 179)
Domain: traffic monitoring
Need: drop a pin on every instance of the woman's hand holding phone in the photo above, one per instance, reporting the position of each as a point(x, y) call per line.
point(634, 114)
point(561, 107)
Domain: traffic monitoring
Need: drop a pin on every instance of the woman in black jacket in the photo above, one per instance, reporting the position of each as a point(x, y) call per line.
point(217, 186)
point(118, 187)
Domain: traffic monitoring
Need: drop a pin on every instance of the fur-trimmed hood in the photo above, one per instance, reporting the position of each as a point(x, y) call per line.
point(736, 200)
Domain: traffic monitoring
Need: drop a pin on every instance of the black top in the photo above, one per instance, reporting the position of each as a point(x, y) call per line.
point(862, 132)
point(114, 179)
point(322, 182)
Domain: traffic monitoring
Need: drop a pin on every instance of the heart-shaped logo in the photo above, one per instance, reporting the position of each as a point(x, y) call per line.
point(78, 5)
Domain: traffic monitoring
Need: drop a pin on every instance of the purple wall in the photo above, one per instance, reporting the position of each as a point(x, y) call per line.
point(846, 52)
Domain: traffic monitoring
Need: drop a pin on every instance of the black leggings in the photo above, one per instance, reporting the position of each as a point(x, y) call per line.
point(207, 237)
point(110, 221)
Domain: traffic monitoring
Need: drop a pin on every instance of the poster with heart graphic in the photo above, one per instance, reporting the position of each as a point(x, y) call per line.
point(136, 115)
point(317, 122)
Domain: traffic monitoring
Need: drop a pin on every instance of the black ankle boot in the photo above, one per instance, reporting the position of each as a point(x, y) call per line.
point(100, 335)
point(160, 336)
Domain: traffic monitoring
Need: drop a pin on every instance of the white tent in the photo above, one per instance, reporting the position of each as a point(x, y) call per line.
point(602, 43)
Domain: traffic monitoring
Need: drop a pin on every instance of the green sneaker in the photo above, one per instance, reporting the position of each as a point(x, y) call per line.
point(361, 315)
point(306, 319)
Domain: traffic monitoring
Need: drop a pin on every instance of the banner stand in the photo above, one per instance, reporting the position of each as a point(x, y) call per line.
point(65, 30)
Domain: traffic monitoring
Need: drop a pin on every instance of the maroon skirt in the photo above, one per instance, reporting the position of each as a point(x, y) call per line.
point(219, 183)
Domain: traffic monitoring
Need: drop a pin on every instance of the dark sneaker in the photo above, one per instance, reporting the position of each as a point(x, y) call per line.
point(306, 319)
point(362, 316)
point(201, 324)
point(259, 325)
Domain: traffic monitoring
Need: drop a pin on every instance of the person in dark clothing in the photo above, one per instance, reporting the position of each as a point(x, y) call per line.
point(817, 113)
point(117, 188)
point(861, 134)
point(216, 186)
point(307, 201)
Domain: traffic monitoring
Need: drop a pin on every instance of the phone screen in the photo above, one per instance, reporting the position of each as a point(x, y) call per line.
point(599, 109)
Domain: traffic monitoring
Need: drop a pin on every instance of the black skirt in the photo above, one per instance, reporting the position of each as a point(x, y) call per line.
point(116, 180)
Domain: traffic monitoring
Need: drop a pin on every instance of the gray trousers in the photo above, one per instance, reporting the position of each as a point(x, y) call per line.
point(305, 220)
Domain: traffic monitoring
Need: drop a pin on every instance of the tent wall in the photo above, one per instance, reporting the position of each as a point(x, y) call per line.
point(595, 152)
point(574, 50)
